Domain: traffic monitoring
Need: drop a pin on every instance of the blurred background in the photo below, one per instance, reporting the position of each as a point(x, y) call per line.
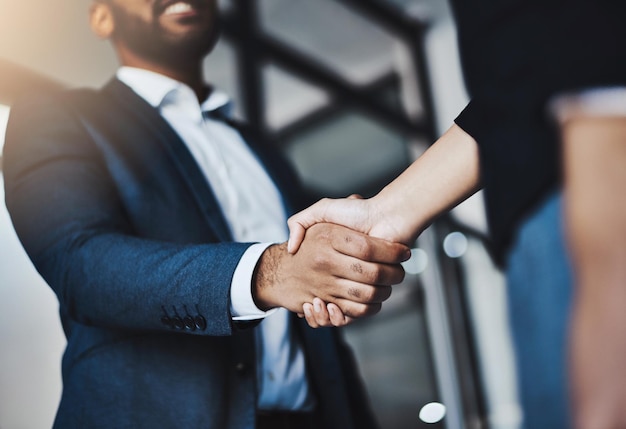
point(352, 91)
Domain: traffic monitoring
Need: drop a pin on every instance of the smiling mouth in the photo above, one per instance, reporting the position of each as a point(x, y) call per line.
point(179, 8)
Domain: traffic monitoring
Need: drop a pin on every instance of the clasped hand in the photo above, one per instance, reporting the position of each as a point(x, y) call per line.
point(347, 269)
point(360, 215)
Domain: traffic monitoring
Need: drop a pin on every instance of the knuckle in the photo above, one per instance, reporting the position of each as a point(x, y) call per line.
point(357, 268)
point(320, 261)
point(355, 292)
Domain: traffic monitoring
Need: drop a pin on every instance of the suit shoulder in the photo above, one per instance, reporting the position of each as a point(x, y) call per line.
point(43, 126)
point(35, 107)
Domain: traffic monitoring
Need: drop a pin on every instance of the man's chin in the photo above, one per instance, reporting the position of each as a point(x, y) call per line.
point(186, 47)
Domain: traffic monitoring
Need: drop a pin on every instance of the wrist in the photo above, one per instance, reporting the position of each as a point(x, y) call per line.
point(265, 277)
point(391, 220)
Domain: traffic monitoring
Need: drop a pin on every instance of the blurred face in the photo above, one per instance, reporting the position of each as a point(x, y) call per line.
point(167, 30)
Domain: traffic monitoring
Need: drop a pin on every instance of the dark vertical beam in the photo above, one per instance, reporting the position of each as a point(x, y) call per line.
point(340, 89)
point(411, 30)
point(249, 63)
point(417, 46)
point(393, 19)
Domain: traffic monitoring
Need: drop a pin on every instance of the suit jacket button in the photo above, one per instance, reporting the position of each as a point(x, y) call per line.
point(178, 323)
point(241, 367)
point(200, 322)
point(190, 324)
point(167, 322)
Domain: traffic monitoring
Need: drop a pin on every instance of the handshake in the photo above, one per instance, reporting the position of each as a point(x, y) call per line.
point(329, 273)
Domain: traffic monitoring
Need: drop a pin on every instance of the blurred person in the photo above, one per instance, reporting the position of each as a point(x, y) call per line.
point(152, 216)
point(545, 136)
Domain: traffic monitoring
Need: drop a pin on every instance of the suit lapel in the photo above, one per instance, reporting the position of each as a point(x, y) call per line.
point(158, 130)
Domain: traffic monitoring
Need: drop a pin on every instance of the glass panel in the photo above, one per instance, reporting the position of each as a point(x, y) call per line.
point(429, 9)
point(485, 290)
point(394, 358)
point(289, 98)
point(30, 331)
point(225, 5)
point(332, 34)
point(346, 153)
point(4, 117)
point(220, 69)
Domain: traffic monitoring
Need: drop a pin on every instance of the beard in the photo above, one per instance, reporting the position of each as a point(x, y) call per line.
point(158, 43)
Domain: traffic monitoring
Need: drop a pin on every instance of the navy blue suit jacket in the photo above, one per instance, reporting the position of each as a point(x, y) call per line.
point(119, 220)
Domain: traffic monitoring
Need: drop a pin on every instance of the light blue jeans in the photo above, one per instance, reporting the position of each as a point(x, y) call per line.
point(539, 288)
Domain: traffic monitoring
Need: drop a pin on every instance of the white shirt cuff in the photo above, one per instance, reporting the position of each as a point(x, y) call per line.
point(242, 306)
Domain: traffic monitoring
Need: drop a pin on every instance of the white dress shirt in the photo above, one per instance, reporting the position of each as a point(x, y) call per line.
point(254, 212)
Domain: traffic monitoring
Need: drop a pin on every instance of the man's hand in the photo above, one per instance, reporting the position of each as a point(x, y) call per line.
point(336, 264)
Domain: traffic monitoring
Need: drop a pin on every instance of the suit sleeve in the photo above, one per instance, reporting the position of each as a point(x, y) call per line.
point(68, 215)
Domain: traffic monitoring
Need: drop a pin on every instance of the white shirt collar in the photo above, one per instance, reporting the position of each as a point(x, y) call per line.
point(155, 87)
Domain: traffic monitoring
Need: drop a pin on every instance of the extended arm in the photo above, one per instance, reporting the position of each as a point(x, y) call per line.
point(595, 210)
point(446, 174)
point(110, 269)
point(69, 214)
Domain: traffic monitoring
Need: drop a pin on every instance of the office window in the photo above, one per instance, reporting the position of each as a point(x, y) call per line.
point(348, 43)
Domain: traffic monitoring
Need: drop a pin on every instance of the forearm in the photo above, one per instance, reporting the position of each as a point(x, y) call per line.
point(118, 281)
point(110, 264)
point(446, 174)
point(595, 179)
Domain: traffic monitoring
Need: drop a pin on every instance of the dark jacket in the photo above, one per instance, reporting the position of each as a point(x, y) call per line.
point(119, 220)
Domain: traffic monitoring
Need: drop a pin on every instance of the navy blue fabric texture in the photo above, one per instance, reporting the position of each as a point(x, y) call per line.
point(120, 222)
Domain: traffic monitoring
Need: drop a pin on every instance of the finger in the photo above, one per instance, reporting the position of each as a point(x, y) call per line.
point(359, 292)
point(336, 315)
point(296, 235)
point(308, 315)
point(367, 273)
point(355, 310)
point(320, 312)
point(355, 197)
point(366, 248)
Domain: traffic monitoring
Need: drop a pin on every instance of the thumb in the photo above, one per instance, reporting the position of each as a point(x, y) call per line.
point(296, 235)
point(299, 223)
